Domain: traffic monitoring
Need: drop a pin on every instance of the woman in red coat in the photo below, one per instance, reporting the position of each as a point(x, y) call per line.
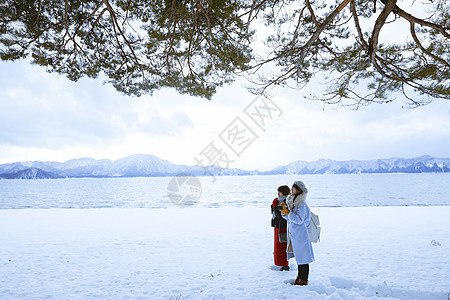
point(280, 224)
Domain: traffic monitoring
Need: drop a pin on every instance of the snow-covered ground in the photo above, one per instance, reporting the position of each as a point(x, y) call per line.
point(224, 253)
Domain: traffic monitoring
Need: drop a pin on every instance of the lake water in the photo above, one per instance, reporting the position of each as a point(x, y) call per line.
point(429, 189)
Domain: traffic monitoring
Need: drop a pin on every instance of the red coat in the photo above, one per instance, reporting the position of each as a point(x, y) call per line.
point(279, 249)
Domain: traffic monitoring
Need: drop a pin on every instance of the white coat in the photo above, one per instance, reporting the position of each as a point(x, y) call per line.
point(299, 222)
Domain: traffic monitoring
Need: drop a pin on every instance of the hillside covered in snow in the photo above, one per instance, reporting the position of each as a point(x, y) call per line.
point(144, 165)
point(423, 164)
point(138, 165)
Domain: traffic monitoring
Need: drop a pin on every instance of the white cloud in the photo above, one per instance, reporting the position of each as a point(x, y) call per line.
point(48, 111)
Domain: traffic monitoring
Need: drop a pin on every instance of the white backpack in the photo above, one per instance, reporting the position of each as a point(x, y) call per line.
point(314, 230)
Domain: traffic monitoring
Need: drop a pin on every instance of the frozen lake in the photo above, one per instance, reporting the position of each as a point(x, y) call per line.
point(351, 190)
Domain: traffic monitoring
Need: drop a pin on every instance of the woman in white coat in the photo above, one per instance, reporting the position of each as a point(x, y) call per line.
point(298, 215)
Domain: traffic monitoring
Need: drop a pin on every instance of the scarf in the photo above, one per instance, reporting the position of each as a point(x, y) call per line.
point(281, 199)
point(293, 201)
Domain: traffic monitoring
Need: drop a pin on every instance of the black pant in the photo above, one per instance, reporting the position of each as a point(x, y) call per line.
point(303, 272)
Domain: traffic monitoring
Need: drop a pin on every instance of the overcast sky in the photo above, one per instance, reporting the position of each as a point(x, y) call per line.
point(47, 117)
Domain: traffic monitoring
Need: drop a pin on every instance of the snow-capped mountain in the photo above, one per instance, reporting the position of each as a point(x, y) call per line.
point(392, 165)
point(144, 165)
point(138, 165)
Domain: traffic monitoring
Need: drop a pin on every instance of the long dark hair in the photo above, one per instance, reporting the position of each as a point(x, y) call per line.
point(298, 189)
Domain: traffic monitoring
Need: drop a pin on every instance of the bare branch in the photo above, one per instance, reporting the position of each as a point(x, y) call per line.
point(311, 12)
point(357, 25)
point(416, 40)
point(411, 18)
point(373, 41)
point(320, 28)
point(116, 24)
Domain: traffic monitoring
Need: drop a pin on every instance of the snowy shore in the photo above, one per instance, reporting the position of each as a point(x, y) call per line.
point(225, 253)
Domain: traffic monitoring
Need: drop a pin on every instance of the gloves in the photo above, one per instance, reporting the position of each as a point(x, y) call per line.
point(284, 211)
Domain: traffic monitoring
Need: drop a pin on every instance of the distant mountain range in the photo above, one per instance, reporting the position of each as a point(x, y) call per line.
point(144, 165)
point(422, 164)
point(138, 165)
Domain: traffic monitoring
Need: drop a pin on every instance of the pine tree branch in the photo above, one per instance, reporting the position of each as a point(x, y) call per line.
point(411, 18)
point(418, 43)
point(381, 20)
